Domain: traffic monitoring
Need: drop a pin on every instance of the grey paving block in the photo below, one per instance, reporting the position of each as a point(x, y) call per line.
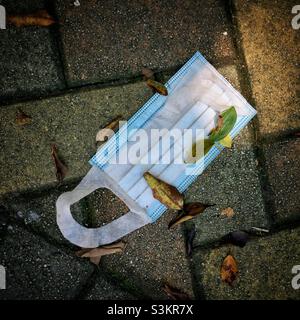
point(106, 290)
point(265, 269)
point(271, 49)
point(37, 270)
point(232, 180)
point(283, 162)
point(71, 121)
point(153, 254)
point(38, 212)
point(104, 41)
point(30, 63)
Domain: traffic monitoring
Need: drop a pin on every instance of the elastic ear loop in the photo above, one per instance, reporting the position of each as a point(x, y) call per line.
point(94, 237)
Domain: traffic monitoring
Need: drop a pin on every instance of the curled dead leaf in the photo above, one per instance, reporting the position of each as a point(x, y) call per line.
point(238, 238)
point(105, 133)
point(174, 293)
point(227, 212)
point(95, 254)
point(40, 18)
point(61, 169)
point(22, 118)
point(158, 87)
point(189, 211)
point(165, 193)
point(229, 270)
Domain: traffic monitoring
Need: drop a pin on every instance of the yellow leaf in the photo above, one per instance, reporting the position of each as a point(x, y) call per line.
point(158, 87)
point(165, 193)
point(226, 142)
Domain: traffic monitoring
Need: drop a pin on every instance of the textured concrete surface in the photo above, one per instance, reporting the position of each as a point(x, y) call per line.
point(153, 255)
point(71, 122)
point(283, 163)
point(272, 53)
point(106, 290)
point(230, 181)
point(123, 38)
point(38, 212)
point(265, 269)
point(30, 63)
point(37, 270)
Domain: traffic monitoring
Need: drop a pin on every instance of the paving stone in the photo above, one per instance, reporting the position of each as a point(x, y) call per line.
point(232, 180)
point(30, 63)
point(265, 269)
point(71, 121)
point(37, 270)
point(283, 162)
point(38, 212)
point(106, 290)
point(153, 254)
point(124, 37)
point(271, 48)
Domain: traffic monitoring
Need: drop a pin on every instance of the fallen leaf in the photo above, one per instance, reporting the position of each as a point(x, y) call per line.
point(189, 212)
point(223, 128)
point(40, 18)
point(229, 270)
point(61, 169)
point(22, 118)
point(228, 212)
point(204, 146)
point(105, 133)
point(174, 293)
point(95, 254)
point(165, 193)
point(158, 87)
point(238, 238)
point(226, 142)
point(148, 74)
point(189, 240)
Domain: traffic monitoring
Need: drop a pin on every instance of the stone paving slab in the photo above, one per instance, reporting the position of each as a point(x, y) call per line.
point(283, 163)
point(105, 42)
point(71, 121)
point(38, 213)
point(106, 290)
point(30, 63)
point(271, 49)
point(265, 269)
point(37, 270)
point(232, 180)
point(153, 254)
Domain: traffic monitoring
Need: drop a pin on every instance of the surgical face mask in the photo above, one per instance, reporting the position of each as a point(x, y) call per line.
point(197, 94)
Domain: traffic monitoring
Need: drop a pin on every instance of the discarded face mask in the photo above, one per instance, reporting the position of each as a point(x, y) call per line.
point(197, 95)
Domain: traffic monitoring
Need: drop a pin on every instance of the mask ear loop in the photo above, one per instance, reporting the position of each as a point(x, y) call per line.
point(94, 237)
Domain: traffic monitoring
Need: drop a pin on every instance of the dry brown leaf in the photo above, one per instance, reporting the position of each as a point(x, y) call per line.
point(158, 87)
point(229, 270)
point(105, 133)
point(22, 118)
point(61, 169)
point(174, 293)
point(189, 211)
point(148, 73)
point(40, 18)
point(165, 193)
point(228, 212)
point(95, 254)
